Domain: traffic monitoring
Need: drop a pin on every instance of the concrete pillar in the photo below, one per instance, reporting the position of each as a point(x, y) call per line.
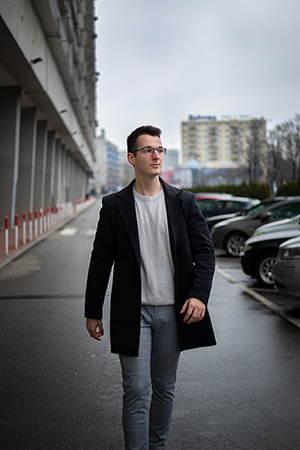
point(57, 174)
point(63, 174)
point(10, 115)
point(68, 174)
point(52, 177)
point(40, 165)
point(83, 183)
point(50, 169)
point(77, 171)
point(27, 160)
point(73, 180)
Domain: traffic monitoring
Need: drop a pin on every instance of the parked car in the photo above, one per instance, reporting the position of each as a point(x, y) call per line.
point(223, 203)
point(287, 268)
point(279, 225)
point(231, 234)
point(260, 255)
point(213, 220)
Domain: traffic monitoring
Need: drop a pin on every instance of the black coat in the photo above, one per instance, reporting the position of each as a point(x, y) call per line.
point(116, 242)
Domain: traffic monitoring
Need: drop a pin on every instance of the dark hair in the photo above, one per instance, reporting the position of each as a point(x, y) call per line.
point(145, 129)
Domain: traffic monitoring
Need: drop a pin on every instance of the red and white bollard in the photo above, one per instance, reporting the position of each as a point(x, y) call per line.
point(48, 219)
point(55, 215)
point(6, 235)
point(36, 232)
point(45, 220)
point(30, 225)
point(52, 216)
point(24, 229)
point(41, 221)
point(16, 232)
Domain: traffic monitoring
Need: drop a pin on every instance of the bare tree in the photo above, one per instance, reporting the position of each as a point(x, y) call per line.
point(290, 137)
point(274, 158)
point(254, 156)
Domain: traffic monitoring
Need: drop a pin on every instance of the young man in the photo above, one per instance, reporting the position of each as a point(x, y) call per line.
point(158, 241)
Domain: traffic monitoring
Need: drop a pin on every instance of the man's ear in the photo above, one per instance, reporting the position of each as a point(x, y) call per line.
point(130, 158)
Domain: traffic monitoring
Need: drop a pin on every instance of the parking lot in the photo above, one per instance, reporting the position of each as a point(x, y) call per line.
point(231, 269)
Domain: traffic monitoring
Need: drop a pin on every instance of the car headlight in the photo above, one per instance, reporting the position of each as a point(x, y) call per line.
point(289, 253)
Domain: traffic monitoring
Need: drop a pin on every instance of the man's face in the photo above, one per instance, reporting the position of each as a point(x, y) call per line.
point(146, 166)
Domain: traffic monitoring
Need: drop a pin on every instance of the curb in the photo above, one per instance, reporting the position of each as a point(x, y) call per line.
point(28, 246)
point(259, 297)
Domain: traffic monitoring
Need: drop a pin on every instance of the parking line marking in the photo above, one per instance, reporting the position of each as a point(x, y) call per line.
point(259, 297)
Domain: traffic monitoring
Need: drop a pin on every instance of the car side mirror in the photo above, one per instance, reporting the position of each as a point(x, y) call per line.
point(265, 216)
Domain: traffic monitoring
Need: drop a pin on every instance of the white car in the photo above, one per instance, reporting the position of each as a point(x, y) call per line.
point(281, 225)
point(287, 268)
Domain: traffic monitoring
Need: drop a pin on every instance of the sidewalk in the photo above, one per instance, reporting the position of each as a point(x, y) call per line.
point(14, 253)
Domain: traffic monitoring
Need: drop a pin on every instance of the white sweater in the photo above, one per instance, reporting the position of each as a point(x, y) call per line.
point(157, 269)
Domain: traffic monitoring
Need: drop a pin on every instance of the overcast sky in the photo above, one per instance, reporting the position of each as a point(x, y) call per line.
point(161, 60)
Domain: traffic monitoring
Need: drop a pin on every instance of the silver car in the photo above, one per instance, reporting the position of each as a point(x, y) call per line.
point(231, 234)
point(287, 268)
point(279, 225)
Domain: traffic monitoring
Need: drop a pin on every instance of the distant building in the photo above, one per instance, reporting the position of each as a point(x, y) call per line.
point(183, 178)
point(170, 163)
point(126, 169)
point(171, 159)
point(218, 144)
point(107, 167)
point(196, 170)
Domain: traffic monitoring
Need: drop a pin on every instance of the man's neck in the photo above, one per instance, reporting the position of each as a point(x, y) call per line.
point(148, 188)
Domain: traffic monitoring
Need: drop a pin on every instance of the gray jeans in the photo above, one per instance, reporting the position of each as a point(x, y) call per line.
point(156, 365)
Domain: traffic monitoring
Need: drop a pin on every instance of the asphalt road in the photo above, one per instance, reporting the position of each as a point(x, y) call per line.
point(62, 390)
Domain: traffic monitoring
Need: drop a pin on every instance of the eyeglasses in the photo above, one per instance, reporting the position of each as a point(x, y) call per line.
point(150, 151)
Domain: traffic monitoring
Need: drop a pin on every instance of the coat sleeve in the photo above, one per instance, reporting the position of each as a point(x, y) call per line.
point(202, 250)
point(102, 259)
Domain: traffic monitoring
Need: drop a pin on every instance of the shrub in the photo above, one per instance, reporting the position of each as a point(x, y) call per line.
point(251, 190)
point(289, 189)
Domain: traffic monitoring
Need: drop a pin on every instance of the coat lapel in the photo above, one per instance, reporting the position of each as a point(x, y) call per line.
point(174, 206)
point(127, 211)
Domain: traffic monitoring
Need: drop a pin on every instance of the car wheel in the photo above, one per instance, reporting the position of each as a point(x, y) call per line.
point(263, 270)
point(235, 243)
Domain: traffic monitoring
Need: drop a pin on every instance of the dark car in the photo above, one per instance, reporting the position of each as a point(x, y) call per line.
point(223, 204)
point(260, 254)
point(213, 220)
point(231, 234)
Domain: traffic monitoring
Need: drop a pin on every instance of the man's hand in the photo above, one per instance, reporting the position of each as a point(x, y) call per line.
point(95, 328)
point(194, 309)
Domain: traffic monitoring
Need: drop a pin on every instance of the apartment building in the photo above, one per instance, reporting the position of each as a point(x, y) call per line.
point(220, 143)
point(107, 168)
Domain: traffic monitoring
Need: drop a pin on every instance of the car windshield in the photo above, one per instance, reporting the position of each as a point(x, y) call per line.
point(259, 207)
point(286, 211)
point(256, 209)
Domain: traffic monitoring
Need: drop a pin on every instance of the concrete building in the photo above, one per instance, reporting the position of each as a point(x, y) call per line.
point(218, 144)
point(47, 103)
point(126, 170)
point(107, 172)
